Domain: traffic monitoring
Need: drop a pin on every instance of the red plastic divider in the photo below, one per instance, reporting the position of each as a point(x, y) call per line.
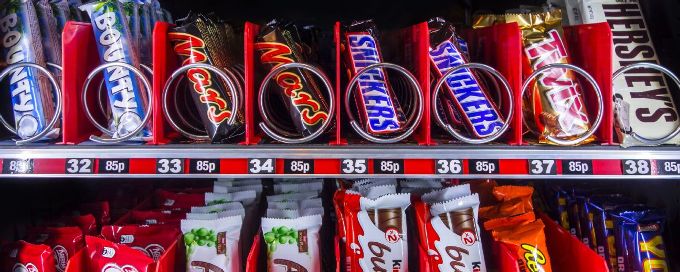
point(500, 46)
point(252, 262)
point(80, 56)
point(338, 69)
point(590, 47)
point(164, 63)
point(568, 253)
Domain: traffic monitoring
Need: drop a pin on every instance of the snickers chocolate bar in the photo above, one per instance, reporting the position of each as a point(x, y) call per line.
point(30, 91)
point(277, 44)
point(201, 40)
point(469, 95)
point(379, 108)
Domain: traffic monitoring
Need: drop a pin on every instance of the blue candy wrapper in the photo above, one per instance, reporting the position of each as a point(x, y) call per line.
point(30, 91)
point(115, 44)
point(145, 31)
point(74, 7)
point(639, 241)
point(51, 40)
point(61, 13)
point(586, 222)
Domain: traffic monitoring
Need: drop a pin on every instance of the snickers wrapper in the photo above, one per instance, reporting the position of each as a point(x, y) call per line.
point(299, 89)
point(201, 40)
point(379, 109)
point(31, 95)
point(465, 90)
point(527, 243)
point(639, 242)
point(376, 232)
point(642, 100)
point(115, 43)
point(553, 105)
point(453, 241)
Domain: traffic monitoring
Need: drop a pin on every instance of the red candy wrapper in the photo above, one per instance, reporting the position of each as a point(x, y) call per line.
point(106, 256)
point(64, 241)
point(23, 256)
point(150, 240)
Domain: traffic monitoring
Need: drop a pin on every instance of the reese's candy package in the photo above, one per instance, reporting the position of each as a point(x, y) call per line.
point(467, 93)
point(31, 95)
point(104, 256)
point(377, 232)
point(213, 245)
point(554, 104)
point(280, 43)
point(639, 242)
point(453, 237)
point(200, 39)
point(379, 109)
point(24, 256)
point(527, 242)
point(116, 44)
point(152, 240)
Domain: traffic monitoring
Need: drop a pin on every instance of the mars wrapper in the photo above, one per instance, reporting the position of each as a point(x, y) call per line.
point(642, 100)
point(453, 241)
point(293, 244)
point(30, 91)
point(201, 40)
point(377, 232)
point(115, 44)
point(213, 245)
point(553, 104)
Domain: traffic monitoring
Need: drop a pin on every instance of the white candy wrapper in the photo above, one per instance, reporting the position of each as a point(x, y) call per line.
point(292, 244)
point(220, 214)
point(213, 245)
point(455, 241)
point(218, 208)
point(228, 182)
point(292, 197)
point(246, 198)
point(377, 232)
point(378, 191)
point(285, 188)
point(238, 188)
point(298, 205)
point(362, 183)
point(445, 194)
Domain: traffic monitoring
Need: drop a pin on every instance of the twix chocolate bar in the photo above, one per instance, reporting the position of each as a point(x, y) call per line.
point(554, 104)
point(379, 109)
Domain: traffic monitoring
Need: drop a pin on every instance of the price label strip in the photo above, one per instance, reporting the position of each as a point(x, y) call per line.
point(448, 167)
point(668, 167)
point(483, 167)
point(204, 166)
point(17, 166)
point(577, 167)
point(542, 167)
point(636, 167)
point(113, 166)
point(169, 166)
point(262, 166)
point(301, 166)
point(79, 166)
point(391, 167)
point(354, 166)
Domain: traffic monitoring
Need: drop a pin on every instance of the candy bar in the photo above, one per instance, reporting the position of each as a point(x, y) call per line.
point(151, 240)
point(446, 194)
point(527, 243)
point(64, 241)
point(213, 245)
point(24, 256)
point(201, 40)
point(464, 87)
point(277, 44)
point(104, 256)
point(640, 246)
point(380, 112)
point(116, 44)
point(32, 101)
point(293, 244)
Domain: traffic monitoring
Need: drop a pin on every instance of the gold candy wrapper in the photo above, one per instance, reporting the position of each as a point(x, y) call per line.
point(554, 105)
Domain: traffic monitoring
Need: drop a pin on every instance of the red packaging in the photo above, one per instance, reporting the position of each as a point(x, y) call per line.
point(151, 240)
point(87, 223)
point(101, 211)
point(173, 200)
point(65, 242)
point(154, 217)
point(23, 256)
point(106, 256)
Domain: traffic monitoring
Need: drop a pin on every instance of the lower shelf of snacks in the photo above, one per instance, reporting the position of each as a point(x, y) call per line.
point(337, 225)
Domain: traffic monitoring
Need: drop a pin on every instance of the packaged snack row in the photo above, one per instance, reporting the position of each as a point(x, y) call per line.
point(520, 77)
point(348, 225)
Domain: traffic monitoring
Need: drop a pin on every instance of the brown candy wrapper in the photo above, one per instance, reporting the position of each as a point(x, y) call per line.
point(553, 105)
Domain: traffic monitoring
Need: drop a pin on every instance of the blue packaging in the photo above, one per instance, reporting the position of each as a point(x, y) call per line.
point(74, 7)
point(115, 44)
point(61, 13)
point(639, 241)
point(145, 31)
point(51, 40)
point(30, 91)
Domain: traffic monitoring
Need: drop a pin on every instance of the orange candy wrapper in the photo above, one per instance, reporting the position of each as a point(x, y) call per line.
point(514, 200)
point(527, 242)
point(553, 105)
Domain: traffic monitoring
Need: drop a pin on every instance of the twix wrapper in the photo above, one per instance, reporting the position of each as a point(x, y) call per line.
point(277, 44)
point(554, 104)
point(463, 88)
point(201, 40)
point(379, 108)
point(376, 233)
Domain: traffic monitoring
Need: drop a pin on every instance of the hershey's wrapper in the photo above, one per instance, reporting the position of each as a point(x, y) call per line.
point(380, 112)
point(649, 108)
point(115, 44)
point(30, 91)
point(201, 40)
point(299, 89)
point(464, 88)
